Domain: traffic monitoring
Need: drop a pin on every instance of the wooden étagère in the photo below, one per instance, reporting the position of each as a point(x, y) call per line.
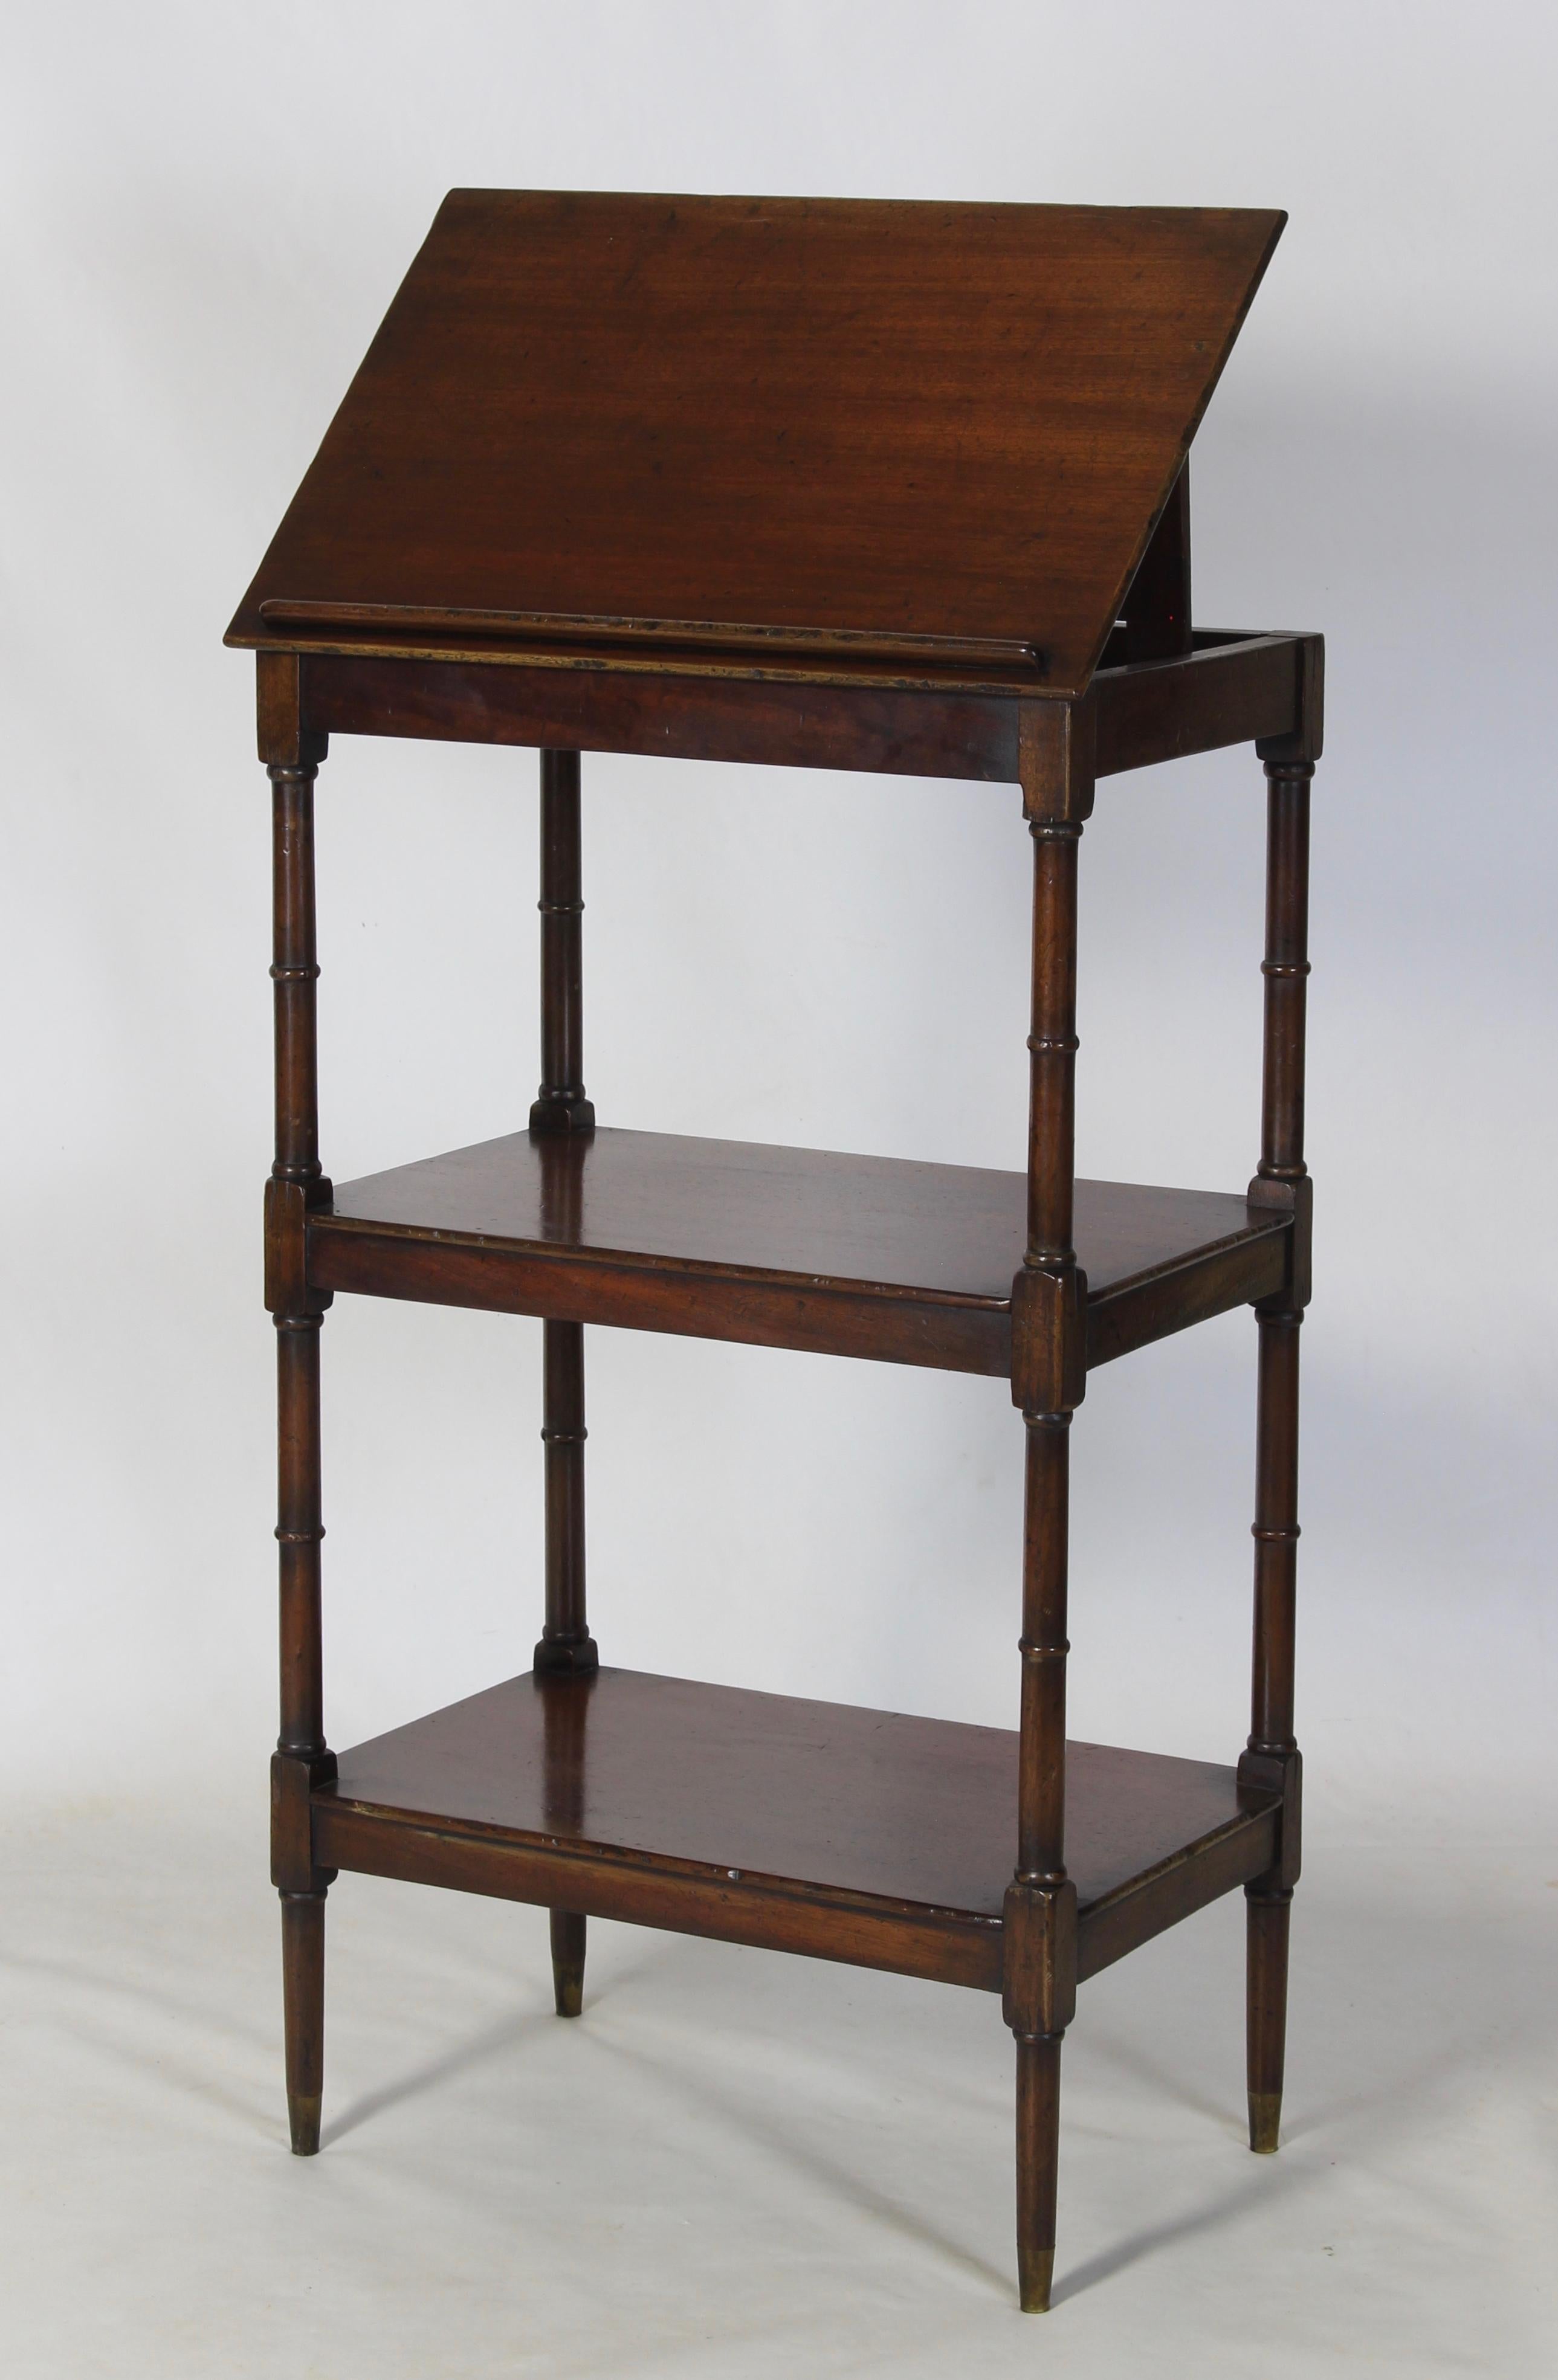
point(821, 484)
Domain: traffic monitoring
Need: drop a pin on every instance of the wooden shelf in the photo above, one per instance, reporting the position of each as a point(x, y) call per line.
point(787, 1248)
point(885, 486)
point(848, 1834)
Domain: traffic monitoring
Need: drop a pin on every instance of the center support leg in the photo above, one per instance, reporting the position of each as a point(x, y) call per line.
point(564, 1118)
point(566, 1647)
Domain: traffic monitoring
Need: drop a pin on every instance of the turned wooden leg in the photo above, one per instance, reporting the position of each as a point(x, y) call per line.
point(302, 1760)
point(302, 1971)
point(1265, 2012)
point(1271, 1761)
point(1271, 1758)
point(1038, 2164)
point(1040, 1912)
point(1039, 1915)
point(563, 1119)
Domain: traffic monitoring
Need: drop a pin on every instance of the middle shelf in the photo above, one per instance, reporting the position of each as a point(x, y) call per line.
point(876, 1257)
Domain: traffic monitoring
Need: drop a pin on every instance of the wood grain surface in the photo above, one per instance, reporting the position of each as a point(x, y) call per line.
point(885, 1258)
point(882, 1222)
point(918, 1811)
point(928, 431)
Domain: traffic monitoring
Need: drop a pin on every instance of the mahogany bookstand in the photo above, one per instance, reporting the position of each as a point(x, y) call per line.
point(836, 485)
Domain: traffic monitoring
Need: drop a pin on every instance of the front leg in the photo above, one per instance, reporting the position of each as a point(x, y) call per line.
point(1040, 1915)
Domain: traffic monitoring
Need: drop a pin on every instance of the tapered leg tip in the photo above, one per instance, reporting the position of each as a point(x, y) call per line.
point(1035, 2272)
point(304, 2118)
point(568, 1938)
point(1265, 2121)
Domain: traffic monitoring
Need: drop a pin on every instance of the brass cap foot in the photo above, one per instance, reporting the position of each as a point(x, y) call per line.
point(1036, 2268)
point(569, 1993)
point(303, 2115)
point(1265, 2119)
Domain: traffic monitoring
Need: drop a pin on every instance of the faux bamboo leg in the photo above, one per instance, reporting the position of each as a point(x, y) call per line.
point(562, 1112)
point(1272, 1753)
point(1041, 1908)
point(1271, 1758)
point(1040, 1914)
point(565, 1647)
point(560, 1104)
point(302, 1759)
point(299, 1532)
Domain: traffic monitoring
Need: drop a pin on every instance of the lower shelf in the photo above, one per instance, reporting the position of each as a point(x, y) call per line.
point(860, 1835)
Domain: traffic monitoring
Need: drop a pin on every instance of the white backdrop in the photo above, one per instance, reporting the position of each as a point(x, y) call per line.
point(207, 209)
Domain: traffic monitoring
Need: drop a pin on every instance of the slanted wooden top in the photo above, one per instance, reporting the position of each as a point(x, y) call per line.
point(920, 439)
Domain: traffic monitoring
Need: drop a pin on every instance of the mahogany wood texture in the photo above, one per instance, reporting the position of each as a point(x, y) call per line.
point(851, 1833)
point(561, 1107)
point(865, 1255)
point(301, 1759)
point(1155, 625)
point(302, 1973)
point(560, 1104)
point(1049, 1366)
point(1271, 1758)
point(1231, 688)
point(903, 430)
point(832, 484)
point(1037, 2166)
